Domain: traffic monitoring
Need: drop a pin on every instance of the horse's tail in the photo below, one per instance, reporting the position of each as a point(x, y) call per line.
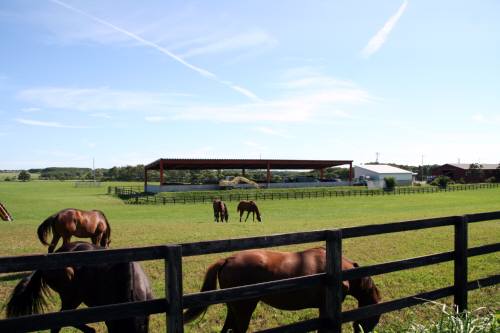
point(209, 283)
point(45, 228)
point(257, 212)
point(239, 208)
point(107, 236)
point(28, 296)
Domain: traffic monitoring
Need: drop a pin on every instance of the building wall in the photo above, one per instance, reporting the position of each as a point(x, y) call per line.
point(401, 178)
point(469, 176)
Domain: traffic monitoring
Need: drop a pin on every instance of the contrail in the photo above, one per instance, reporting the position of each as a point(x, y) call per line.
point(245, 92)
point(381, 36)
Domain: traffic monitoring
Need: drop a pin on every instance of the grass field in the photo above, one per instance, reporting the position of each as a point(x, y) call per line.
point(31, 202)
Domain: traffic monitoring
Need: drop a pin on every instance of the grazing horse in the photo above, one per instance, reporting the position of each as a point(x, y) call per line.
point(74, 222)
point(257, 266)
point(94, 285)
point(249, 207)
point(220, 211)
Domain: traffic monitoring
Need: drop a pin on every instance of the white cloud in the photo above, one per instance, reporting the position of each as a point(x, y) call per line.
point(97, 99)
point(155, 119)
point(29, 110)
point(486, 119)
point(317, 98)
point(273, 132)
point(45, 123)
point(101, 115)
point(241, 41)
point(381, 36)
point(203, 72)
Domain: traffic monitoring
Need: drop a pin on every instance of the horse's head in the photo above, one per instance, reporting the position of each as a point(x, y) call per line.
point(367, 293)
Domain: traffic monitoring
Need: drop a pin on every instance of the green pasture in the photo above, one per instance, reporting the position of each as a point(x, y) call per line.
point(31, 202)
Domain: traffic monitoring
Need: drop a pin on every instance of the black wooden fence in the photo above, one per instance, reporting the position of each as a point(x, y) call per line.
point(134, 194)
point(175, 301)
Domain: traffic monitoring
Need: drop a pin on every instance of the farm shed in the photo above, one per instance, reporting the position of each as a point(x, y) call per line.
point(164, 164)
point(378, 172)
point(464, 172)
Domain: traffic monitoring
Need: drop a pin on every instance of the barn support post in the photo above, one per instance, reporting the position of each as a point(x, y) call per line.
point(268, 174)
point(173, 288)
point(145, 179)
point(161, 173)
point(322, 173)
point(350, 173)
point(460, 267)
point(333, 294)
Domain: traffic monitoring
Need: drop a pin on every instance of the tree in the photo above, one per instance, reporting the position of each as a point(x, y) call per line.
point(24, 176)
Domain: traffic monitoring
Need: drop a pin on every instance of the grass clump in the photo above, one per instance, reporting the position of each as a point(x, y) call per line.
point(452, 321)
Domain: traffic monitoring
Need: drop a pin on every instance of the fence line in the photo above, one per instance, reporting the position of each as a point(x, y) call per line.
point(135, 194)
point(175, 300)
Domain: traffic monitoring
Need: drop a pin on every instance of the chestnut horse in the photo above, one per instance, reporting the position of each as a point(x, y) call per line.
point(94, 285)
point(220, 211)
point(75, 222)
point(249, 207)
point(257, 266)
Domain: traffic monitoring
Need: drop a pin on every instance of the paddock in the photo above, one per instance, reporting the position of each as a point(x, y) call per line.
point(175, 300)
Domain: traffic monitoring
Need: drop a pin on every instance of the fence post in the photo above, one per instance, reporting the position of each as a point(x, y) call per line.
point(333, 292)
point(460, 269)
point(173, 288)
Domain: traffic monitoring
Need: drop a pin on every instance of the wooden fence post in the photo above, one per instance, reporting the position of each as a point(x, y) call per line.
point(460, 270)
point(333, 292)
point(173, 288)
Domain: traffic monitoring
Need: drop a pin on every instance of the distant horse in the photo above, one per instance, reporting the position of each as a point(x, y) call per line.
point(220, 211)
point(75, 222)
point(249, 207)
point(257, 266)
point(92, 285)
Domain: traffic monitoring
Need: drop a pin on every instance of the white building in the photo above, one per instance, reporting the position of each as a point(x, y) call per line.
point(377, 172)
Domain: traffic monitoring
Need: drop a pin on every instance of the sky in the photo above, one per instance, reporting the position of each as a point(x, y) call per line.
point(127, 82)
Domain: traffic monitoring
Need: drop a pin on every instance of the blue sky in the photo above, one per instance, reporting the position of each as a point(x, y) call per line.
point(127, 82)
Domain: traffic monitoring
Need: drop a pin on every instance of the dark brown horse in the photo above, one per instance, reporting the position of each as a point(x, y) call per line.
point(249, 207)
point(92, 285)
point(220, 211)
point(75, 222)
point(256, 266)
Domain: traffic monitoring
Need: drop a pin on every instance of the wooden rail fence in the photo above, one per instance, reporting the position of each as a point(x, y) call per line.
point(134, 195)
point(175, 300)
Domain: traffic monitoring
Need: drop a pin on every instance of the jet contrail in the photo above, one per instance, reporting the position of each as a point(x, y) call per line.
point(245, 92)
point(381, 36)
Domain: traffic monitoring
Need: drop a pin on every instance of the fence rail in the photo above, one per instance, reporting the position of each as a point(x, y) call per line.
point(135, 194)
point(174, 301)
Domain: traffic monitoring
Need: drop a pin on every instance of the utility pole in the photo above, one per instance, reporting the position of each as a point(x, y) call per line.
point(93, 168)
point(377, 155)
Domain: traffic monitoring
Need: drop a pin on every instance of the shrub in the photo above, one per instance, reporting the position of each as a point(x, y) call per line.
point(442, 181)
point(390, 183)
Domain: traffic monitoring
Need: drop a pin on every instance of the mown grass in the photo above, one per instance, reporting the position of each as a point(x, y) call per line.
point(132, 225)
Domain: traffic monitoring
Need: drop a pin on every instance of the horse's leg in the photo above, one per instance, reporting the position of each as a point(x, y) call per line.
point(248, 214)
point(71, 303)
point(239, 315)
point(53, 243)
point(241, 214)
